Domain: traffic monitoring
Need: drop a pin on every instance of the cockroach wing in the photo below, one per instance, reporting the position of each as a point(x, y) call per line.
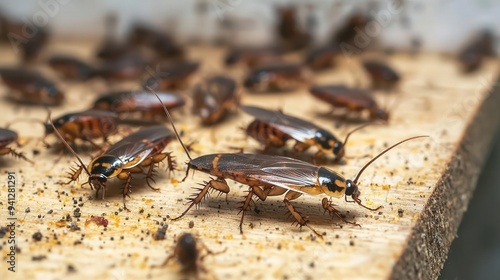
point(139, 145)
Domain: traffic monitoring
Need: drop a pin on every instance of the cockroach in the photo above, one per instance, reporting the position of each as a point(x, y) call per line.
point(322, 58)
point(268, 175)
point(141, 102)
point(86, 125)
point(70, 67)
point(274, 128)
point(252, 57)
point(354, 100)
point(31, 87)
point(142, 149)
point(471, 56)
point(7, 137)
point(111, 48)
point(382, 75)
point(123, 69)
point(292, 37)
point(30, 43)
point(189, 253)
point(347, 32)
point(274, 77)
point(214, 99)
point(172, 77)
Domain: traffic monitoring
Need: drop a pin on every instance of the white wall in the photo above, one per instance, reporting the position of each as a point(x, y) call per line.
point(440, 25)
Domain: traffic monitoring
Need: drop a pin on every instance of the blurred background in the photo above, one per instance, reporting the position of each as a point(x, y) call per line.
point(437, 26)
point(443, 25)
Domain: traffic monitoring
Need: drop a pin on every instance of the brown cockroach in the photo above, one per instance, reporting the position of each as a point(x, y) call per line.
point(8, 137)
point(31, 87)
point(352, 99)
point(252, 57)
point(274, 77)
point(172, 76)
point(70, 67)
point(268, 175)
point(323, 57)
point(214, 99)
point(382, 76)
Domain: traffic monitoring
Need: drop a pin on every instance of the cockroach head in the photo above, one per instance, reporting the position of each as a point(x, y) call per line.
point(351, 189)
point(98, 181)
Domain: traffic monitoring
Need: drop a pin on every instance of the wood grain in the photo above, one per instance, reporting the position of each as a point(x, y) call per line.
point(423, 185)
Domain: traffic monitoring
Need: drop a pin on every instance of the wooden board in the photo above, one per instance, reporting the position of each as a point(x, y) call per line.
point(423, 185)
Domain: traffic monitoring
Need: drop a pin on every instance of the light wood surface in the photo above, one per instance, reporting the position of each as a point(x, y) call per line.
point(429, 180)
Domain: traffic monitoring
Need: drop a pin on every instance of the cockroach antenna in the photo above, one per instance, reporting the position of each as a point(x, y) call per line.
point(171, 122)
point(355, 181)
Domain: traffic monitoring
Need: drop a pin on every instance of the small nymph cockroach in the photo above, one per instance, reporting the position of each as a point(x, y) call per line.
point(189, 253)
point(142, 102)
point(70, 67)
point(382, 76)
point(142, 149)
point(273, 129)
point(214, 99)
point(31, 87)
point(171, 77)
point(7, 137)
point(252, 57)
point(352, 99)
point(323, 57)
point(268, 175)
point(86, 125)
point(274, 77)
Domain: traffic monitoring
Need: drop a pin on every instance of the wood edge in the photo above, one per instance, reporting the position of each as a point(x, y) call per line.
point(427, 248)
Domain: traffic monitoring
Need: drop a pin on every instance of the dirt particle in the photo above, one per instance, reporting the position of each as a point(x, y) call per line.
point(37, 236)
point(400, 212)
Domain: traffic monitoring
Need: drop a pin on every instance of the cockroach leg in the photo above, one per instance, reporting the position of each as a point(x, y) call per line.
point(73, 174)
point(244, 207)
point(7, 150)
point(218, 184)
point(301, 221)
point(328, 206)
point(151, 162)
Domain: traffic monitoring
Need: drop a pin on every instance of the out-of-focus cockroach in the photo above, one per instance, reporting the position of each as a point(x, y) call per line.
point(30, 43)
point(143, 35)
point(214, 99)
point(471, 56)
point(31, 87)
point(382, 76)
point(141, 102)
point(71, 67)
point(142, 149)
point(111, 48)
point(252, 57)
point(272, 176)
point(323, 57)
point(123, 69)
point(171, 77)
point(274, 77)
point(273, 129)
point(292, 37)
point(8, 137)
point(347, 32)
point(353, 100)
